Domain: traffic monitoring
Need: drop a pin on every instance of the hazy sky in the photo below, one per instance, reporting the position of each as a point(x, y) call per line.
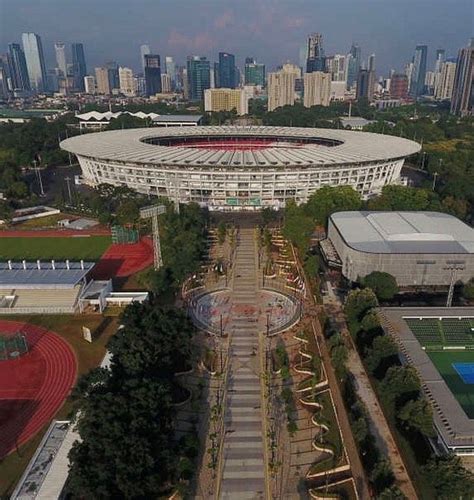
point(270, 30)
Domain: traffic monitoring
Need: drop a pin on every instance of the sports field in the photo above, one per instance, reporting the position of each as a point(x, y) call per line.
point(432, 333)
point(463, 392)
point(59, 248)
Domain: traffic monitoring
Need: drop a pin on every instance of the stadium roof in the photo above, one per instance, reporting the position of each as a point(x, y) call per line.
point(109, 115)
point(353, 147)
point(43, 274)
point(404, 232)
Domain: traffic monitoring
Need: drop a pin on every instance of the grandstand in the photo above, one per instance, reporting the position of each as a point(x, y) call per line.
point(439, 343)
point(42, 288)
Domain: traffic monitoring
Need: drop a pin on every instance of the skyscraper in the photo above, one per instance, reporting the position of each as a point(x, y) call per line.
point(336, 65)
point(317, 89)
point(165, 83)
point(254, 72)
point(199, 77)
point(89, 85)
point(226, 71)
point(144, 51)
point(281, 86)
point(353, 64)
point(316, 60)
point(417, 84)
point(170, 69)
point(102, 81)
point(445, 83)
point(371, 62)
point(152, 74)
point(399, 86)
point(365, 85)
point(35, 61)
point(79, 69)
point(462, 102)
point(127, 83)
point(113, 75)
point(18, 71)
point(61, 60)
point(440, 58)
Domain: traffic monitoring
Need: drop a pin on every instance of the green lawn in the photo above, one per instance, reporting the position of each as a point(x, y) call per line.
point(72, 248)
point(464, 393)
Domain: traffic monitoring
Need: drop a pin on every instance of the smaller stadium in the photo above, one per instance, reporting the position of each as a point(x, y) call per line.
point(439, 343)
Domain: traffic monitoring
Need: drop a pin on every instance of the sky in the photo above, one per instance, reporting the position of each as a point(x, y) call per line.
point(272, 31)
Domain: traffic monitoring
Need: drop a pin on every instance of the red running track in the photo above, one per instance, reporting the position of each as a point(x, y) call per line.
point(124, 260)
point(33, 387)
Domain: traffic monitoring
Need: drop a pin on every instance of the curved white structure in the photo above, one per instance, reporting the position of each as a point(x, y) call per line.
point(240, 168)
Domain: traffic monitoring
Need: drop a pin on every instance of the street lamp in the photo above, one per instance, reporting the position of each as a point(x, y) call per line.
point(38, 175)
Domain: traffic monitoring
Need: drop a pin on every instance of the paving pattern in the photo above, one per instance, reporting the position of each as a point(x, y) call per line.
point(243, 468)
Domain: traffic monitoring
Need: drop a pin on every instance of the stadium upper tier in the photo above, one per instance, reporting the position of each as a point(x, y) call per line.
point(240, 167)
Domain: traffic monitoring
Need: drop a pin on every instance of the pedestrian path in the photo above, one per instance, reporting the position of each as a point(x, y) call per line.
point(243, 469)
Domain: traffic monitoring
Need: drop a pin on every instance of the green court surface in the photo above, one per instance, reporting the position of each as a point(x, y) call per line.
point(464, 393)
point(435, 333)
point(60, 248)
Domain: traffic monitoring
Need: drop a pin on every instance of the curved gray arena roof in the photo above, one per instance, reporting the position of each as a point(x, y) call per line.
point(127, 146)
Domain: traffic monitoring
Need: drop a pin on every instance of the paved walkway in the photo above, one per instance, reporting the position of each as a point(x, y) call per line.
point(243, 468)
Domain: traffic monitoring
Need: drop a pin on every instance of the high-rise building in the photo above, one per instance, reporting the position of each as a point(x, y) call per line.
point(281, 86)
point(317, 89)
point(316, 60)
point(165, 83)
point(20, 80)
point(127, 83)
point(365, 85)
point(113, 75)
point(371, 62)
point(353, 64)
point(445, 82)
point(430, 79)
point(170, 69)
point(226, 71)
point(417, 83)
point(4, 87)
point(399, 86)
point(89, 84)
point(79, 69)
point(35, 61)
point(440, 58)
point(337, 67)
point(102, 81)
point(152, 74)
point(144, 51)
point(226, 100)
point(462, 102)
point(199, 77)
point(254, 72)
point(61, 60)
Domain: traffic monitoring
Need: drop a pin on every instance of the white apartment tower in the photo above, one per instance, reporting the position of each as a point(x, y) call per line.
point(317, 89)
point(281, 86)
point(126, 81)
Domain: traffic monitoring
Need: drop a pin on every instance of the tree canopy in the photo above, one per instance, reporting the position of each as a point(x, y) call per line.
point(383, 284)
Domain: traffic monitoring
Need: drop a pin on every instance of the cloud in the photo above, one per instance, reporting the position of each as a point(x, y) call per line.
point(190, 44)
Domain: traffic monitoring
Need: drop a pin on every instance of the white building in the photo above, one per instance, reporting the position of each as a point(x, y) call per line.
point(127, 83)
point(338, 91)
point(165, 83)
point(281, 86)
point(338, 68)
point(445, 82)
point(317, 89)
point(89, 84)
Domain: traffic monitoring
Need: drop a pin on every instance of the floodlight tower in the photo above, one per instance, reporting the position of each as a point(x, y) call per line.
point(152, 212)
point(454, 267)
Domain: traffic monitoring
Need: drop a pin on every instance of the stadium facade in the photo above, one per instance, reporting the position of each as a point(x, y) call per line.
point(418, 248)
point(240, 168)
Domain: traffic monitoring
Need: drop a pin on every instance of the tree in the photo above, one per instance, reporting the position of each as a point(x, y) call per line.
point(468, 290)
point(417, 415)
point(383, 347)
point(383, 284)
point(391, 493)
point(382, 475)
point(400, 384)
point(449, 479)
point(358, 304)
point(128, 212)
point(221, 232)
point(401, 198)
point(297, 226)
point(327, 200)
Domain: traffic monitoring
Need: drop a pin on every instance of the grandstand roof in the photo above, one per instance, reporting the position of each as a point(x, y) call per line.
point(109, 115)
point(43, 274)
point(404, 232)
point(317, 147)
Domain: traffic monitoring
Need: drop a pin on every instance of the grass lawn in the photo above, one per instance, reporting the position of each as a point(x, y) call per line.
point(62, 248)
point(88, 356)
point(48, 221)
point(464, 393)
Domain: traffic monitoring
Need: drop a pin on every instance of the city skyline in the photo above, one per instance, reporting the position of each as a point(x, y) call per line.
point(272, 32)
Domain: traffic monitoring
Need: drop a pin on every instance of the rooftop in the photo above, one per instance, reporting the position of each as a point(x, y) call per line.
point(109, 115)
point(43, 274)
point(321, 147)
point(404, 232)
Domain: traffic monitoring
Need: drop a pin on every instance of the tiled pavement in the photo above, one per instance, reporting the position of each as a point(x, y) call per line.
point(243, 468)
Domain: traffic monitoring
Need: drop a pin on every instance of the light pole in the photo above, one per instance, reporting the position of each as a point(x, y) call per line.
point(434, 180)
point(38, 175)
point(68, 180)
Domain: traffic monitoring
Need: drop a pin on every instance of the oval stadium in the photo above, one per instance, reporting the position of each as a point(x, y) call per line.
point(240, 168)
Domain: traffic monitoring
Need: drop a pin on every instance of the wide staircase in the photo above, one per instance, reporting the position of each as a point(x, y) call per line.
point(243, 468)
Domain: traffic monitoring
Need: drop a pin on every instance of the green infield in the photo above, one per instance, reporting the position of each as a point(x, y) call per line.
point(61, 248)
point(464, 393)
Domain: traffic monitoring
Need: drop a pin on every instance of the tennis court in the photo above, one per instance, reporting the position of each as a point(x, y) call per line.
point(457, 370)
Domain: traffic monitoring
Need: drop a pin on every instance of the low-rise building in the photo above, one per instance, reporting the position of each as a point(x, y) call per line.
point(226, 100)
